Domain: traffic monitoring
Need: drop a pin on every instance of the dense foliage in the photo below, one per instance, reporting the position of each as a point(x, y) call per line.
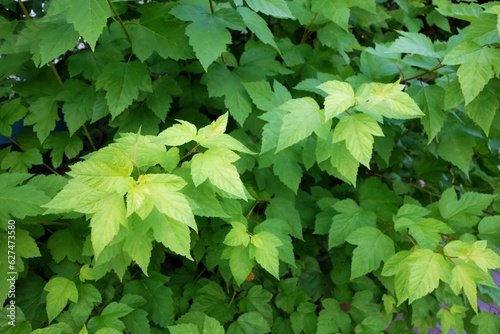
point(256, 166)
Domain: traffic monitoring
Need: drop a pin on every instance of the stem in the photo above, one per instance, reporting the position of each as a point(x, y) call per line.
point(191, 151)
point(56, 74)
point(409, 237)
point(122, 25)
point(438, 66)
point(24, 10)
point(44, 164)
point(87, 134)
point(212, 9)
point(232, 298)
point(306, 31)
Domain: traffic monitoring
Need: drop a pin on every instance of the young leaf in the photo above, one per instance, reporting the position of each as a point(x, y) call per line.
point(358, 131)
point(215, 164)
point(122, 83)
point(60, 290)
point(476, 252)
point(425, 270)
point(89, 19)
point(467, 276)
point(237, 236)
point(340, 97)
point(386, 100)
point(350, 218)
point(302, 120)
point(344, 162)
point(240, 262)
point(373, 247)
point(266, 252)
point(171, 233)
point(177, 134)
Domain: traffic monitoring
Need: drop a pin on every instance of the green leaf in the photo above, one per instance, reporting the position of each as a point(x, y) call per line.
point(452, 318)
point(79, 99)
point(350, 219)
point(398, 266)
point(336, 11)
point(413, 43)
point(287, 168)
point(430, 100)
point(159, 306)
point(340, 97)
point(477, 66)
point(486, 322)
point(62, 144)
point(304, 320)
point(43, 115)
point(157, 32)
point(237, 236)
point(373, 247)
point(66, 243)
point(250, 322)
point(48, 38)
point(109, 318)
point(456, 146)
point(284, 209)
point(215, 164)
point(483, 108)
point(203, 24)
point(222, 82)
point(122, 83)
point(258, 300)
point(264, 98)
point(21, 162)
point(489, 229)
point(257, 25)
point(470, 204)
point(160, 99)
point(60, 290)
point(212, 300)
point(386, 100)
point(88, 298)
point(266, 252)
point(89, 19)
point(302, 120)
point(10, 112)
point(290, 295)
point(332, 319)
point(19, 200)
point(183, 329)
point(276, 8)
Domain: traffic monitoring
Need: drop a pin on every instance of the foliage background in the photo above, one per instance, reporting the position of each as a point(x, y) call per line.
point(250, 166)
